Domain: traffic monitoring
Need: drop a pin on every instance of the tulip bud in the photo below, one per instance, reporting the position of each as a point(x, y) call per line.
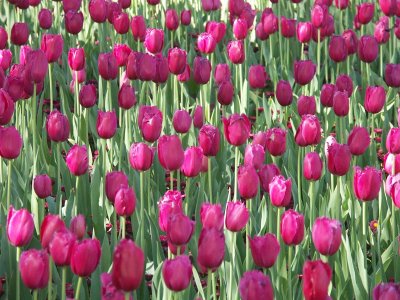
point(186, 16)
point(280, 191)
point(283, 93)
point(304, 71)
point(260, 138)
point(185, 76)
point(388, 7)
point(392, 77)
point(358, 140)
point(6, 107)
point(236, 216)
point(10, 142)
point(88, 95)
point(171, 19)
point(76, 58)
point(125, 4)
point(78, 226)
point(121, 22)
point(154, 40)
point(106, 124)
point(389, 160)
point(217, 30)
point(162, 72)
point(125, 202)
point(382, 31)
point(312, 166)
point(222, 73)
point(34, 268)
point(192, 161)
point(114, 182)
point(85, 257)
point(292, 227)
point(179, 229)
point(319, 14)
point(258, 244)
point(211, 249)
point(209, 140)
point(3, 38)
point(206, 43)
point(198, 117)
point(257, 76)
point(309, 131)
point(36, 66)
point(19, 34)
point(392, 141)
point(5, 59)
point(304, 31)
point(176, 60)
point(210, 5)
point(138, 28)
point(367, 48)
point(57, 126)
point(339, 158)
point(211, 216)
point(237, 129)
point(150, 122)
point(113, 9)
point(181, 121)
point(126, 96)
point(327, 92)
point(254, 155)
point(235, 50)
point(170, 152)
point(255, 285)
point(77, 160)
point(50, 225)
point(316, 279)
point(276, 141)
point(327, 235)
point(337, 48)
point(20, 227)
point(121, 53)
point(73, 21)
point(351, 41)
point(177, 273)
point(98, 10)
point(201, 70)
point(367, 183)
point(240, 29)
point(266, 174)
point(128, 266)
point(306, 105)
point(140, 156)
point(71, 5)
point(61, 247)
point(270, 22)
point(341, 104)
point(288, 27)
point(107, 65)
point(248, 181)
point(385, 291)
point(42, 186)
point(169, 204)
point(52, 45)
point(365, 12)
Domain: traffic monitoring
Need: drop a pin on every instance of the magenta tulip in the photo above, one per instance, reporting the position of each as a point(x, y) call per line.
point(292, 227)
point(309, 131)
point(235, 50)
point(304, 71)
point(78, 226)
point(327, 235)
point(316, 279)
point(61, 247)
point(42, 186)
point(150, 122)
point(209, 140)
point(10, 142)
point(85, 257)
point(312, 166)
point(170, 152)
point(211, 249)
point(141, 156)
point(280, 191)
point(266, 174)
point(34, 268)
point(177, 273)
point(258, 244)
point(192, 161)
point(237, 216)
point(392, 141)
point(237, 129)
point(169, 204)
point(20, 227)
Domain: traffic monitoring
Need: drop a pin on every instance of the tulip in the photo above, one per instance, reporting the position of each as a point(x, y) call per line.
point(113, 9)
point(365, 12)
point(388, 7)
point(288, 27)
point(186, 16)
point(42, 186)
point(382, 31)
point(392, 76)
point(171, 19)
point(106, 124)
point(121, 22)
point(124, 3)
point(20, 227)
point(181, 121)
point(280, 191)
point(154, 40)
point(389, 160)
point(210, 5)
point(316, 279)
point(367, 183)
point(201, 70)
point(339, 158)
point(235, 50)
point(169, 204)
point(98, 10)
point(284, 93)
point(192, 161)
point(107, 65)
point(254, 156)
point(260, 138)
point(126, 96)
point(225, 93)
point(358, 140)
point(270, 22)
point(50, 225)
point(76, 59)
point(77, 160)
point(88, 95)
point(386, 291)
point(394, 190)
point(6, 107)
point(162, 71)
point(19, 34)
point(237, 129)
point(211, 249)
point(138, 28)
point(185, 76)
point(236, 216)
point(179, 229)
point(392, 141)
point(375, 97)
point(71, 5)
point(312, 166)
point(61, 247)
point(337, 48)
point(341, 4)
point(216, 29)
point(255, 285)
point(276, 141)
point(73, 21)
point(248, 181)
point(222, 73)
point(85, 257)
point(319, 14)
point(36, 66)
point(34, 268)
point(267, 174)
point(177, 273)
point(260, 33)
point(176, 60)
point(209, 140)
point(198, 117)
point(240, 29)
point(125, 201)
point(304, 30)
point(309, 131)
point(292, 227)
point(344, 83)
point(150, 122)
point(121, 53)
point(326, 96)
point(52, 46)
point(114, 182)
point(367, 48)
point(257, 76)
point(57, 126)
point(3, 38)
point(5, 59)
point(10, 142)
point(327, 235)
point(211, 216)
point(304, 71)
point(258, 244)
point(351, 41)
point(78, 226)
point(306, 105)
point(170, 152)
point(341, 103)
point(140, 156)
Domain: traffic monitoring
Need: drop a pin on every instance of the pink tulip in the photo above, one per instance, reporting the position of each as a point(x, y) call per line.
point(236, 216)
point(150, 121)
point(327, 235)
point(34, 268)
point(211, 216)
point(20, 227)
point(211, 249)
point(255, 285)
point(312, 166)
point(258, 244)
point(177, 273)
point(316, 279)
point(292, 227)
point(280, 191)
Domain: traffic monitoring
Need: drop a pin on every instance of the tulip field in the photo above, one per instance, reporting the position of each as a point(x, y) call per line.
point(205, 149)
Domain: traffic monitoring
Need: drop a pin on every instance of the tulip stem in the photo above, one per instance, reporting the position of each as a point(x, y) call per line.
point(59, 177)
point(319, 52)
point(248, 233)
point(171, 180)
point(187, 189)
point(49, 286)
point(8, 183)
point(214, 286)
point(312, 203)
point(122, 226)
point(290, 257)
point(127, 295)
point(209, 180)
point(142, 211)
point(51, 86)
point(233, 248)
point(64, 282)
point(35, 294)
point(209, 287)
point(236, 172)
point(381, 61)
point(78, 288)
point(18, 278)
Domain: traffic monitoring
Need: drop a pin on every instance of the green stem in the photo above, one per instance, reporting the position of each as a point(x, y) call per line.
point(209, 285)
point(171, 180)
point(18, 278)
point(248, 233)
point(78, 288)
point(210, 199)
point(127, 295)
point(319, 51)
point(35, 294)
point(64, 282)
point(51, 86)
point(299, 173)
point(50, 284)
point(290, 257)
point(233, 248)
point(142, 243)
point(8, 183)
point(236, 172)
point(214, 286)
point(122, 226)
point(187, 190)
point(312, 203)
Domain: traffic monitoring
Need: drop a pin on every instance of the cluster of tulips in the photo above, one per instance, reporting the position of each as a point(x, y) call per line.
point(114, 114)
